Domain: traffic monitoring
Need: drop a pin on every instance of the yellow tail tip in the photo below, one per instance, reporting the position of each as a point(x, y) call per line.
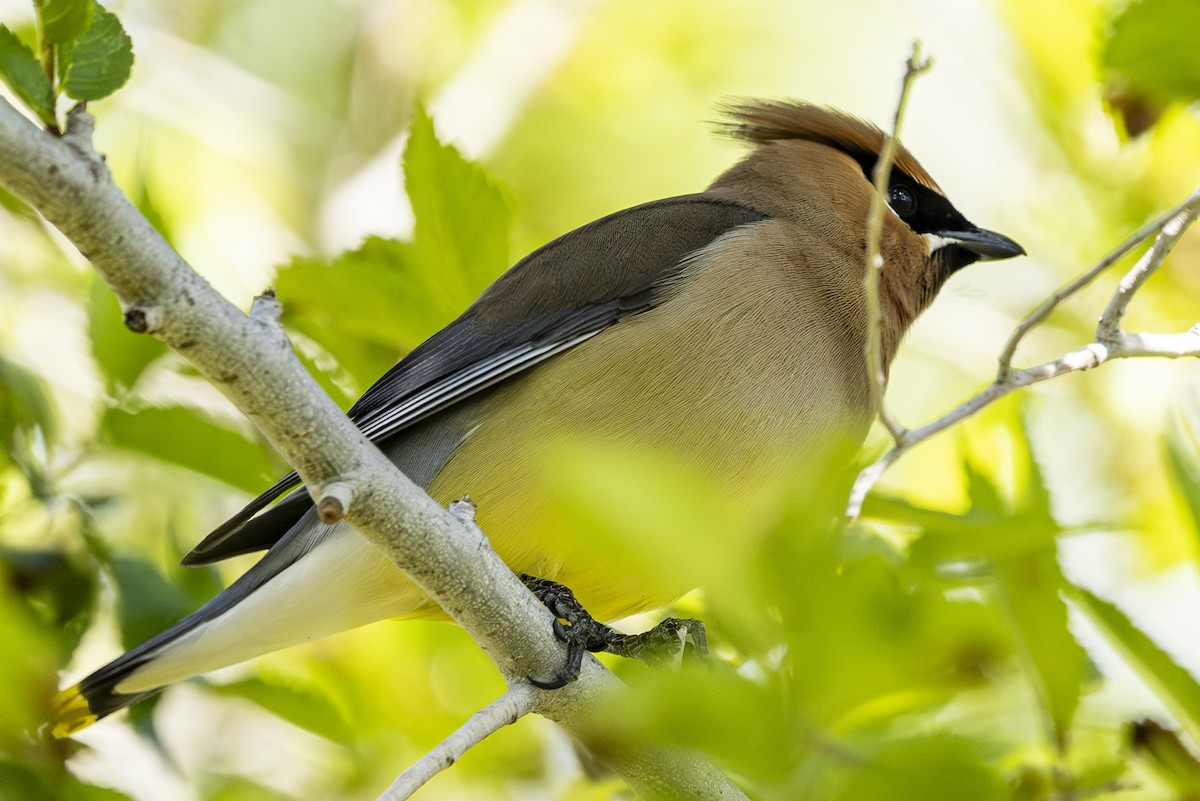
point(72, 713)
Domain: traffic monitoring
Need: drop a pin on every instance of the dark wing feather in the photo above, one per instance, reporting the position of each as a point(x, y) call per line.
point(558, 296)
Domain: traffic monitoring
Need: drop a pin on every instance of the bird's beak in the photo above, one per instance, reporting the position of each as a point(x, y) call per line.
point(987, 245)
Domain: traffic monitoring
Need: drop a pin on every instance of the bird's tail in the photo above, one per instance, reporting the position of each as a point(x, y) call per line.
point(283, 600)
point(80, 706)
point(97, 696)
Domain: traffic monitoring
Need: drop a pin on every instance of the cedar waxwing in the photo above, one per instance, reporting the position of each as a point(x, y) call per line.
point(725, 328)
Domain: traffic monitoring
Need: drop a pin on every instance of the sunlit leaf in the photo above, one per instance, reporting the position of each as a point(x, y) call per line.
point(366, 307)
point(298, 705)
point(1151, 49)
point(460, 237)
point(26, 415)
point(146, 602)
point(1057, 663)
point(186, 438)
point(985, 496)
point(99, 61)
point(1168, 757)
point(15, 205)
point(1183, 461)
point(24, 405)
point(120, 354)
point(20, 783)
point(64, 20)
point(23, 73)
point(1032, 584)
point(742, 723)
point(1174, 686)
point(61, 591)
point(925, 769)
point(28, 670)
point(240, 788)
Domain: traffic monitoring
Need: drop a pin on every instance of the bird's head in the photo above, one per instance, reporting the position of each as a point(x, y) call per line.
point(813, 167)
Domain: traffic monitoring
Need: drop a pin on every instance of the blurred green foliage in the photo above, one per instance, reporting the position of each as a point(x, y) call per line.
point(1148, 59)
point(935, 650)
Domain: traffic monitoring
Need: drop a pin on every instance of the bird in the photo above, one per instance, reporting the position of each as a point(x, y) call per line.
point(725, 328)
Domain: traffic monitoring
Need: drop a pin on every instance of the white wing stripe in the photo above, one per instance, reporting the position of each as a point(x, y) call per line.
point(465, 382)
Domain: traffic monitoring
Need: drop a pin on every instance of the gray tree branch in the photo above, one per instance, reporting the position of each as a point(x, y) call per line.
point(251, 361)
point(517, 702)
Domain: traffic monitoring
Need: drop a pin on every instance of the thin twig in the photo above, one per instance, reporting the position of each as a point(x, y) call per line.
point(1043, 311)
point(915, 65)
point(1172, 230)
point(1111, 342)
point(516, 703)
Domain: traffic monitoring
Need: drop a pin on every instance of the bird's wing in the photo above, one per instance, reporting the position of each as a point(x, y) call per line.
point(550, 301)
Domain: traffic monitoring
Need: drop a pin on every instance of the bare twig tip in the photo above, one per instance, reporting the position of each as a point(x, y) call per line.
point(330, 510)
point(137, 320)
point(335, 500)
point(463, 509)
point(266, 307)
point(918, 62)
point(80, 124)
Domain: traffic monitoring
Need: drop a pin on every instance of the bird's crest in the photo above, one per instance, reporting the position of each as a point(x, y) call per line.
point(762, 121)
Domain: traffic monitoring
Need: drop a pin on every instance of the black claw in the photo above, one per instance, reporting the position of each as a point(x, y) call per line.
point(556, 683)
point(571, 667)
point(672, 639)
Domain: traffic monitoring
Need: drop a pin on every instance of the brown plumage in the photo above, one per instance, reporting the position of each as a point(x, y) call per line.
point(724, 328)
point(766, 121)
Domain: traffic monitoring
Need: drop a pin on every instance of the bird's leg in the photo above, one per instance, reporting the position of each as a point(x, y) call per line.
point(673, 638)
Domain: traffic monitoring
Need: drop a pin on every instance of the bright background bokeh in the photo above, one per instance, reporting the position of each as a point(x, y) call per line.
point(264, 138)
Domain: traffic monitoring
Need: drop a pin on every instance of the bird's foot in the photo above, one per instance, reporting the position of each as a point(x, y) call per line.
point(675, 640)
point(672, 640)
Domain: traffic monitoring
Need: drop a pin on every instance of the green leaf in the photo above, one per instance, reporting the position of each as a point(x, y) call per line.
point(183, 437)
point(60, 590)
point(300, 706)
point(99, 62)
point(1174, 686)
point(121, 355)
point(1168, 757)
point(147, 602)
point(369, 306)
point(1183, 460)
point(1151, 49)
point(460, 235)
point(25, 410)
point(366, 307)
point(33, 654)
point(936, 768)
point(984, 494)
point(1031, 585)
point(24, 405)
point(47, 781)
point(15, 206)
point(220, 787)
point(20, 782)
point(64, 20)
point(23, 73)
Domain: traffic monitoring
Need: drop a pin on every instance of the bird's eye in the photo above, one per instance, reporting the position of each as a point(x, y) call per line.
point(902, 200)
